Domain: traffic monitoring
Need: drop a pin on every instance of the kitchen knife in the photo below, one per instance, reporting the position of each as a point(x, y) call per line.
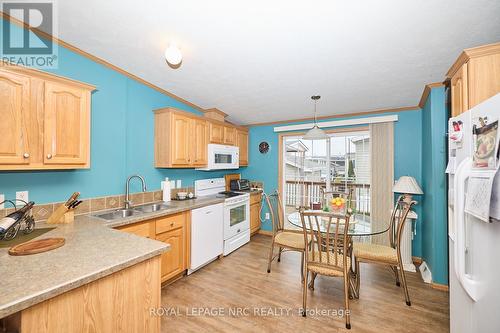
point(75, 204)
point(72, 198)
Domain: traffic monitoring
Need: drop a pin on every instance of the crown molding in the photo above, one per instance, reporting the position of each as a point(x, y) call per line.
point(470, 53)
point(98, 60)
point(343, 115)
point(427, 91)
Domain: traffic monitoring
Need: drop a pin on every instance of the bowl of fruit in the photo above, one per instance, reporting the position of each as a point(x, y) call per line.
point(337, 204)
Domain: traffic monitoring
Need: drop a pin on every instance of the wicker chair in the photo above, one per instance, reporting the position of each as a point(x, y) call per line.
point(383, 254)
point(328, 253)
point(286, 240)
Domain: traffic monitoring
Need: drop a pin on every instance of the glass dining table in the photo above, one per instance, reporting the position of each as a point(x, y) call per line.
point(360, 225)
point(360, 228)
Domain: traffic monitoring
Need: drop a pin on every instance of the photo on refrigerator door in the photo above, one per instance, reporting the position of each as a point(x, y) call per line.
point(485, 143)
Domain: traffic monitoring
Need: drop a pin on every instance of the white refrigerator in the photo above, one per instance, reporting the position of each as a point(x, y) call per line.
point(474, 241)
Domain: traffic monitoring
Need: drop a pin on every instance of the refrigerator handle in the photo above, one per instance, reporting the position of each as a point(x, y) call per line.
point(462, 252)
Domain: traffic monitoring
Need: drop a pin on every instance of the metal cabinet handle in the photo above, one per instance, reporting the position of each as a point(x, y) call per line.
point(26, 155)
point(172, 224)
point(49, 156)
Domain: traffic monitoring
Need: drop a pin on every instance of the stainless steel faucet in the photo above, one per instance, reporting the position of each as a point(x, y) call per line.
point(127, 189)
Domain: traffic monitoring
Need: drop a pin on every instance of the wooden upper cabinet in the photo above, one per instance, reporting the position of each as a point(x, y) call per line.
point(181, 139)
point(66, 124)
point(14, 105)
point(474, 77)
point(242, 137)
point(199, 149)
point(45, 121)
point(216, 133)
point(483, 77)
point(179, 136)
point(458, 83)
point(229, 135)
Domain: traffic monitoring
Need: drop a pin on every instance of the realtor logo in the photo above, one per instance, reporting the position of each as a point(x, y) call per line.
point(22, 43)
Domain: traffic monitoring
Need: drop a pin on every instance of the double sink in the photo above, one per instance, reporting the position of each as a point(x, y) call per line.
point(135, 211)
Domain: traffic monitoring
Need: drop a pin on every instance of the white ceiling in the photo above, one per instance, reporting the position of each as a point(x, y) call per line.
point(261, 60)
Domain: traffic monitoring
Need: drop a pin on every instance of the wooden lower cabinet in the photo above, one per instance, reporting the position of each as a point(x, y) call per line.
point(172, 261)
point(255, 204)
point(175, 230)
point(119, 302)
point(143, 229)
point(172, 229)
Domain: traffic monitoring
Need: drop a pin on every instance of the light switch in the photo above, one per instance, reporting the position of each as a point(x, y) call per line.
point(2, 198)
point(267, 216)
point(172, 184)
point(179, 184)
point(22, 195)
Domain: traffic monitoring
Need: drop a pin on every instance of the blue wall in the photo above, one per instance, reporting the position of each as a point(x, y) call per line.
point(435, 228)
point(122, 136)
point(407, 158)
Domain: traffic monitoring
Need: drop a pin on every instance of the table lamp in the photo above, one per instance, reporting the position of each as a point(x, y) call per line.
point(407, 186)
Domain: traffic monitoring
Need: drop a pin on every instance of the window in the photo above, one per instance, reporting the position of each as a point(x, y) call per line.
point(340, 163)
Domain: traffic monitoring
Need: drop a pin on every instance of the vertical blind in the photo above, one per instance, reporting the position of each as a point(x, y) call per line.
point(382, 177)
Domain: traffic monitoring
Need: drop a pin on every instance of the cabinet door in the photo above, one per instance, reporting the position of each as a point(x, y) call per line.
point(180, 140)
point(199, 143)
point(66, 124)
point(229, 135)
point(483, 78)
point(243, 145)
point(459, 96)
point(14, 104)
point(216, 133)
point(254, 217)
point(172, 261)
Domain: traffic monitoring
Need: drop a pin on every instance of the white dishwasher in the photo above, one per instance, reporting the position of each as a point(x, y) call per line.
point(207, 235)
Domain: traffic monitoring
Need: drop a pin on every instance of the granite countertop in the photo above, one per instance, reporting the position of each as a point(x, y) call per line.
point(93, 249)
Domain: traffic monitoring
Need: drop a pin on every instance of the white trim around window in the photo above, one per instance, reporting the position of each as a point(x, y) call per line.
point(338, 123)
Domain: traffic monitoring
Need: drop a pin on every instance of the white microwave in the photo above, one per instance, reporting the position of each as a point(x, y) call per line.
point(222, 157)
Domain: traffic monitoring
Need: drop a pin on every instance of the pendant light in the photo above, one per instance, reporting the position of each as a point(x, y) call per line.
point(315, 133)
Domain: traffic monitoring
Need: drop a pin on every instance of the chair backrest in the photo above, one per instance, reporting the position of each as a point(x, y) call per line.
point(327, 248)
point(275, 206)
point(398, 220)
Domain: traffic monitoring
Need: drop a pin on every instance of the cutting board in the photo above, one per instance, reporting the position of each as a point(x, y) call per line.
point(37, 246)
point(229, 177)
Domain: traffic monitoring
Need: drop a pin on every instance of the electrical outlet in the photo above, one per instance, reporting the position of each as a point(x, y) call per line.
point(22, 195)
point(267, 216)
point(2, 198)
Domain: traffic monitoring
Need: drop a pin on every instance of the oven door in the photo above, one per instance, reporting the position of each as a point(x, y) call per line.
point(236, 218)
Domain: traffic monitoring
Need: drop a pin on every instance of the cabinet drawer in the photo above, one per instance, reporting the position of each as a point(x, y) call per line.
point(171, 222)
point(143, 229)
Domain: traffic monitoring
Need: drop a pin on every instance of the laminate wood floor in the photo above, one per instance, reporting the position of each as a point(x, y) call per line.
point(203, 301)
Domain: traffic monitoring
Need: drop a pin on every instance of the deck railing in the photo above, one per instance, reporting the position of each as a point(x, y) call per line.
point(310, 191)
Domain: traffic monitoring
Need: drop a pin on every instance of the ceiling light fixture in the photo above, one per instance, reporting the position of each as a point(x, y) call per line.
point(173, 55)
point(315, 133)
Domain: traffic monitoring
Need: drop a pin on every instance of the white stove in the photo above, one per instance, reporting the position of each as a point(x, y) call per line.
point(236, 211)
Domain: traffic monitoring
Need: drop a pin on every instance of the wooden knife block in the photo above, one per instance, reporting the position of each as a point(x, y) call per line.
point(62, 215)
